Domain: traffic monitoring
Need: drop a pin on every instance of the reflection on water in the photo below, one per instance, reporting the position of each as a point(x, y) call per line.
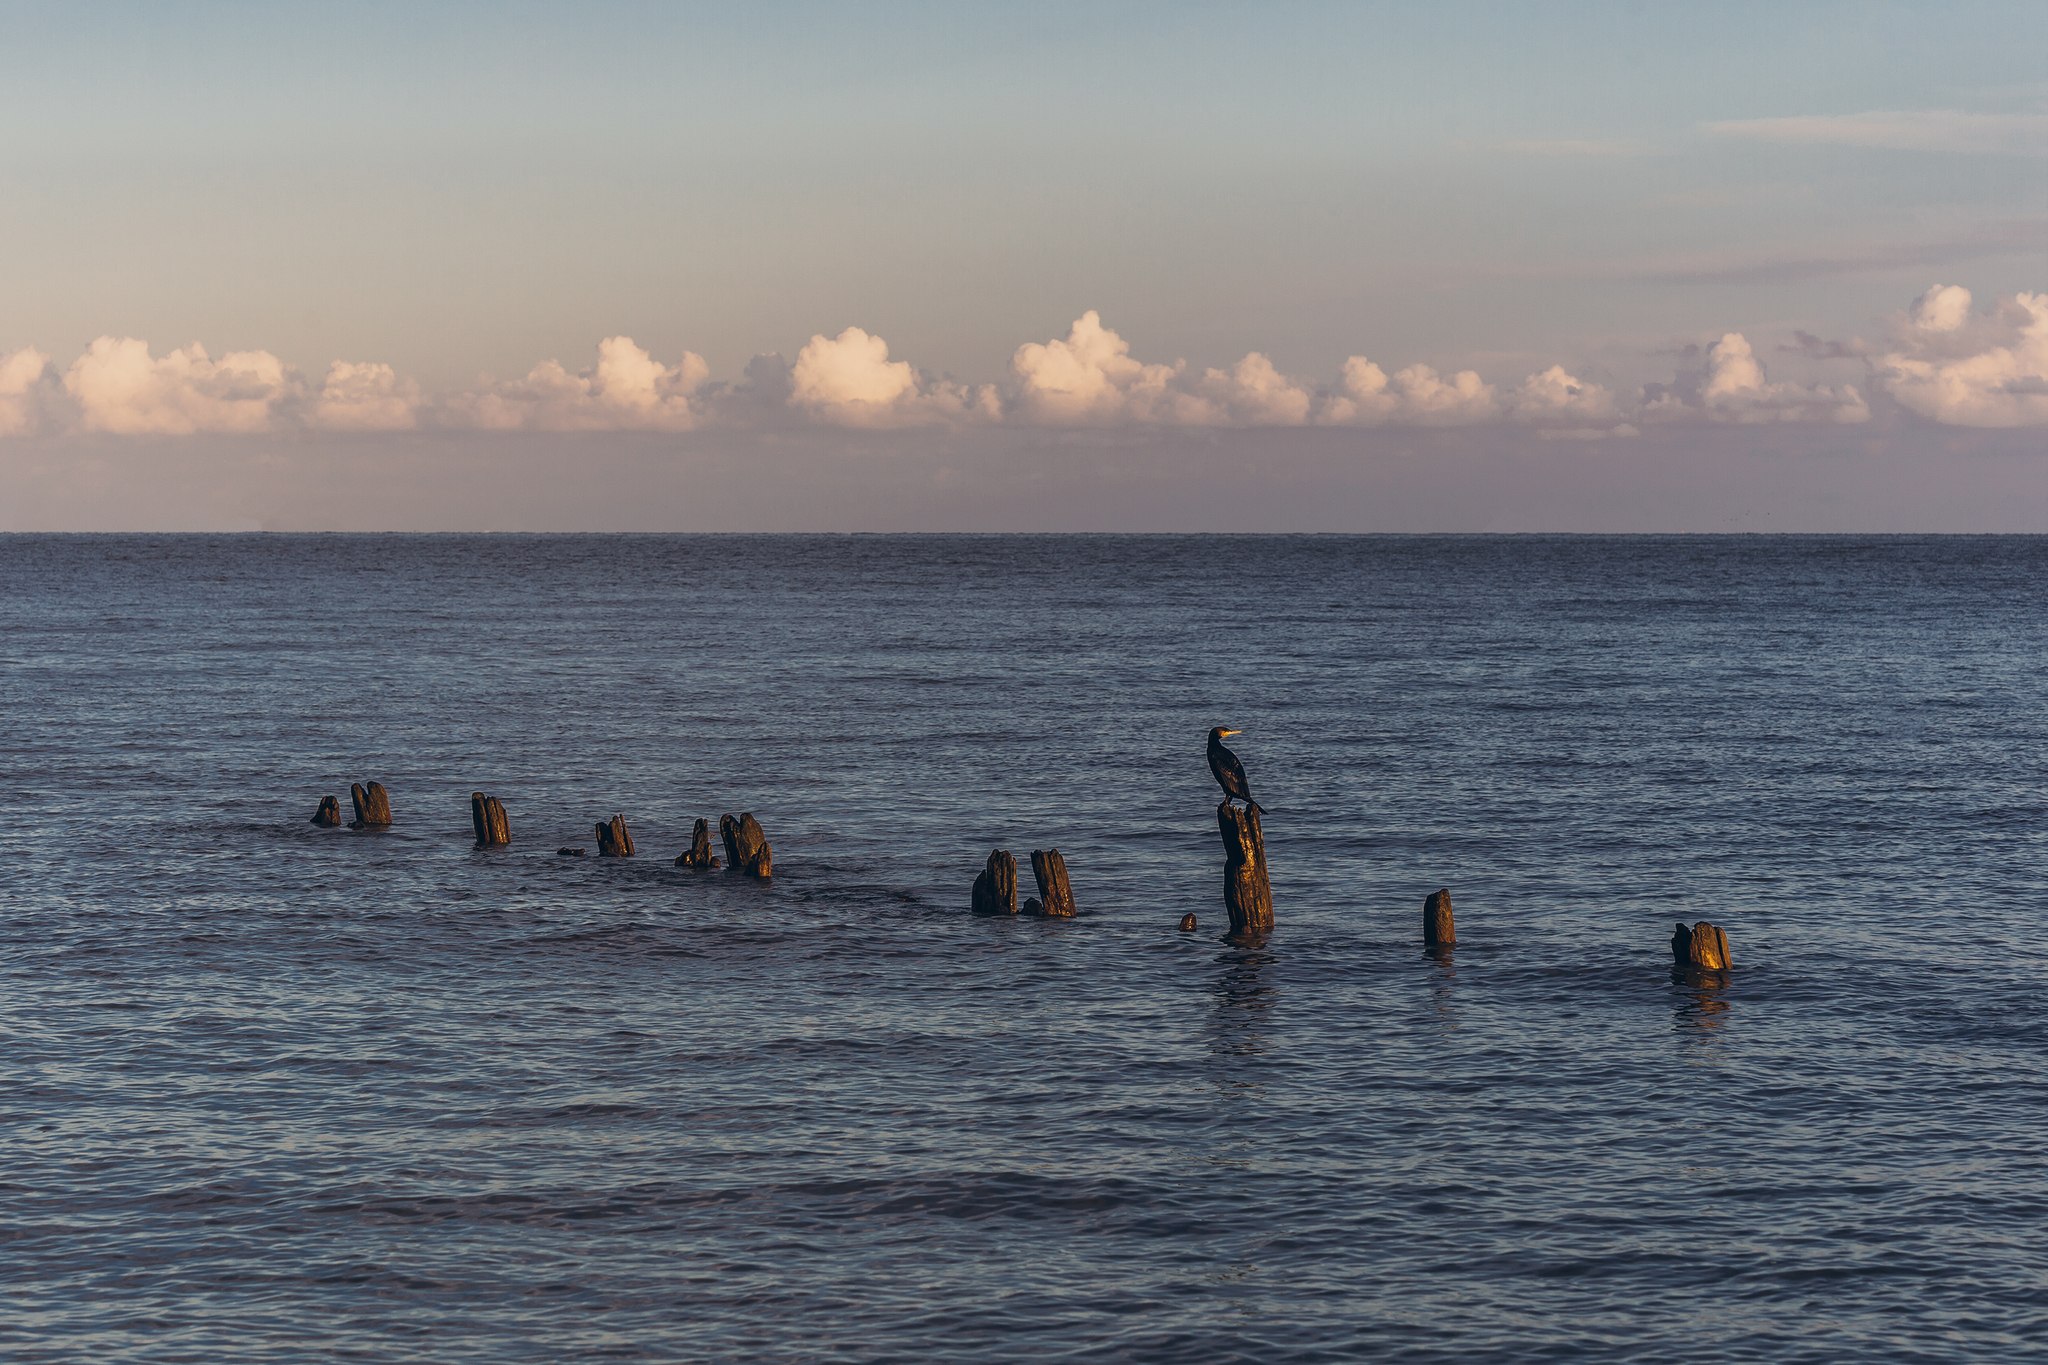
point(1702, 1000)
point(1442, 980)
point(1242, 998)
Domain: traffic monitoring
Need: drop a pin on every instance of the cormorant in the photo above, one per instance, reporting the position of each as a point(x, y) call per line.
point(1229, 772)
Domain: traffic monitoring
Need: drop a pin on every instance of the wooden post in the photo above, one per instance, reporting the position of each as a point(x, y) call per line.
point(1704, 947)
point(699, 854)
point(729, 835)
point(373, 807)
point(614, 840)
point(1049, 870)
point(487, 814)
point(1438, 930)
point(1187, 924)
point(995, 890)
point(750, 851)
point(1247, 894)
point(329, 814)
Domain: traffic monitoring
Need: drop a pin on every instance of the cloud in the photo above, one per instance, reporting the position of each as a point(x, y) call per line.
point(1415, 396)
point(1735, 388)
point(1556, 398)
point(24, 383)
point(1091, 379)
point(1971, 370)
point(367, 397)
point(1912, 130)
point(849, 380)
point(120, 388)
point(628, 391)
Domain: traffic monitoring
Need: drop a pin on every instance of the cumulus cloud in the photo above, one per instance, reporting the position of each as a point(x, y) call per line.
point(850, 380)
point(119, 387)
point(24, 384)
point(627, 391)
point(1735, 388)
point(365, 397)
point(1966, 369)
point(1092, 378)
point(1416, 396)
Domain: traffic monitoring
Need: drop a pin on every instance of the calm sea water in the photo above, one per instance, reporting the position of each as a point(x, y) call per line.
point(278, 1093)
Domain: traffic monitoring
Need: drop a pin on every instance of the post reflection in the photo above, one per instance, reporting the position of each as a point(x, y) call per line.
point(1441, 1000)
point(1242, 997)
point(1702, 999)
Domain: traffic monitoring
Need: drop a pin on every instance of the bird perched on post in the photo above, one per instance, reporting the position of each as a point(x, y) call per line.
point(1229, 772)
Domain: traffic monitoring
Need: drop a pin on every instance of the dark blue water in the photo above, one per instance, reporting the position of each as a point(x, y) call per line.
point(276, 1093)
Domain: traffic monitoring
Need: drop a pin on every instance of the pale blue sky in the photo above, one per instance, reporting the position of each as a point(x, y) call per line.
point(461, 188)
point(456, 191)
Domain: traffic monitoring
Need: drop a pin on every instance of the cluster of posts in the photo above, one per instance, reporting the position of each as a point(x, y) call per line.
point(746, 847)
point(1247, 891)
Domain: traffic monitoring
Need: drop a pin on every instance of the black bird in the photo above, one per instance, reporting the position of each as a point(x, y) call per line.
point(1229, 772)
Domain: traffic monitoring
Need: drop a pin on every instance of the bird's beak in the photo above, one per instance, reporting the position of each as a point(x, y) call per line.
point(1228, 733)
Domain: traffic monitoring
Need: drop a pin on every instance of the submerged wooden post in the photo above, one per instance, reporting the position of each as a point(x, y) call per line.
point(373, 807)
point(995, 890)
point(729, 835)
point(1049, 870)
point(614, 840)
point(699, 853)
point(749, 847)
point(329, 814)
point(1438, 930)
point(487, 814)
point(1187, 924)
point(1704, 947)
point(1247, 895)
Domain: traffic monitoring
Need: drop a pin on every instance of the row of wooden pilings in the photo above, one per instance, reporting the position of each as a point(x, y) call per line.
point(746, 847)
point(1247, 890)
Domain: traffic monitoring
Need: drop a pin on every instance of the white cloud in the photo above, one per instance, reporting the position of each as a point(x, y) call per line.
point(23, 381)
point(1090, 378)
point(1914, 130)
point(628, 391)
point(1252, 393)
point(365, 397)
point(850, 380)
point(1968, 370)
point(1556, 398)
point(120, 388)
point(1415, 396)
point(1736, 388)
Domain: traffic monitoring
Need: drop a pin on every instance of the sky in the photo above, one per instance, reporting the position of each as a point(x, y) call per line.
point(1317, 267)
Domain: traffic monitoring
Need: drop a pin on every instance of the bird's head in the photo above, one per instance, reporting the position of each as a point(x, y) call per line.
point(1219, 734)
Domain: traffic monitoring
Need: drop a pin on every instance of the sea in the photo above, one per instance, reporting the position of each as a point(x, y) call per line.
point(272, 1092)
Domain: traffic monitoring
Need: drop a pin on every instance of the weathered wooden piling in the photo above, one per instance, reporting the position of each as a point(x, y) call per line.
point(329, 814)
point(699, 853)
point(1033, 906)
point(1247, 894)
point(995, 890)
point(569, 853)
point(1438, 929)
point(373, 807)
point(1187, 924)
point(729, 835)
point(1049, 870)
point(747, 847)
point(614, 840)
point(1704, 947)
point(487, 813)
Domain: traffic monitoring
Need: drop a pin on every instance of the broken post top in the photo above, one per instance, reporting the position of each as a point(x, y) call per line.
point(614, 840)
point(1704, 947)
point(373, 807)
point(1247, 893)
point(1438, 928)
point(487, 814)
point(1055, 896)
point(995, 890)
point(329, 814)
